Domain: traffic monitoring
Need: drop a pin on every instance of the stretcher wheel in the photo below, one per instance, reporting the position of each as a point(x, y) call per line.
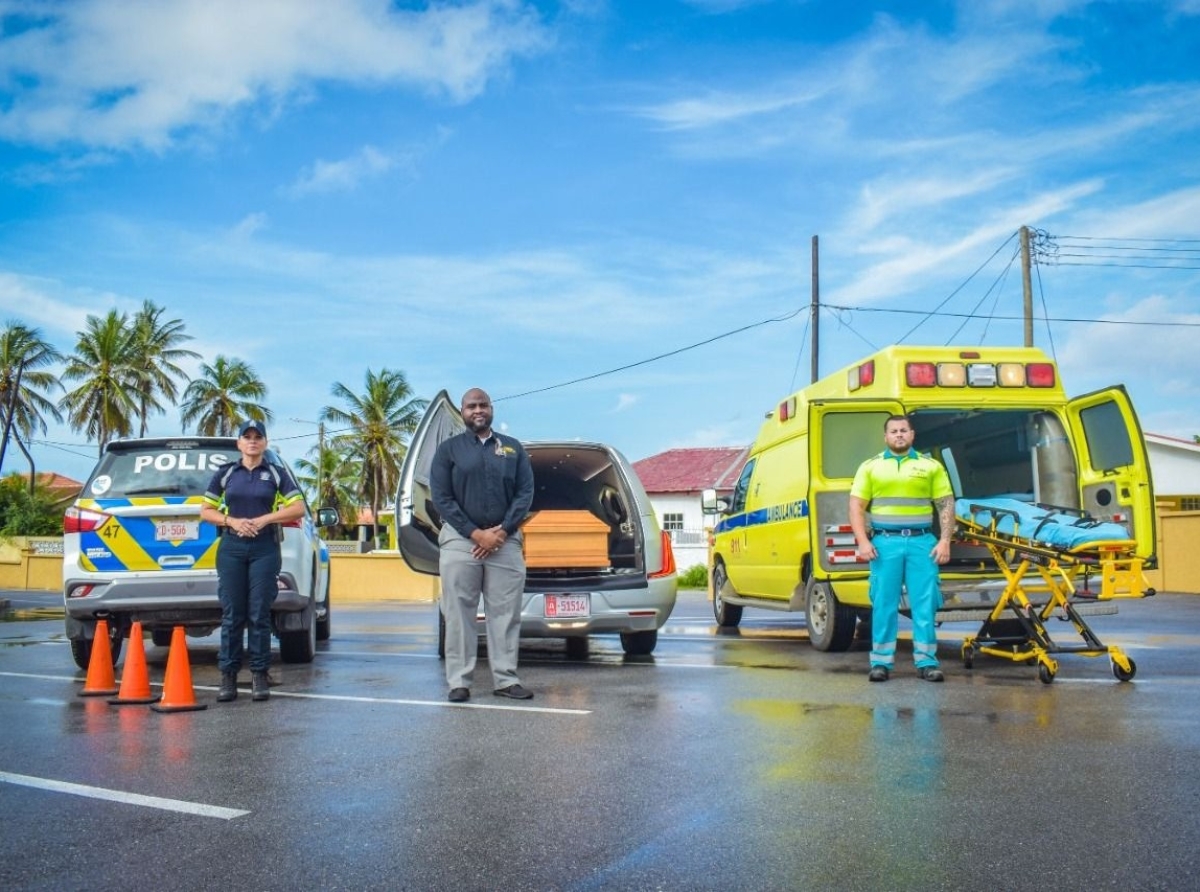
point(1121, 674)
point(968, 657)
point(1045, 673)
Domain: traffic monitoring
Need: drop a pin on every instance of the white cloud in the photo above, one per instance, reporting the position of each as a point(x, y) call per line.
point(120, 73)
point(341, 176)
point(624, 401)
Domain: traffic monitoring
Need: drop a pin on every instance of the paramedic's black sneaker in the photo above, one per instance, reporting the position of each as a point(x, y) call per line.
point(931, 673)
point(514, 692)
point(878, 673)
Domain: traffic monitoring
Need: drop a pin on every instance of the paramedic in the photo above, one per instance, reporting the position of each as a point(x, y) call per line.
point(482, 486)
point(247, 500)
point(898, 490)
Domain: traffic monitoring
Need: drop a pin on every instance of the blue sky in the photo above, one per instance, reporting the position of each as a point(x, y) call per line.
point(517, 195)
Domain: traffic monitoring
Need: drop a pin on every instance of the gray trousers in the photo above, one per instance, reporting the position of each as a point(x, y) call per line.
point(500, 580)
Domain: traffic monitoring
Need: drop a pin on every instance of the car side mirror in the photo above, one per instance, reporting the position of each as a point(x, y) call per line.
point(327, 517)
point(710, 504)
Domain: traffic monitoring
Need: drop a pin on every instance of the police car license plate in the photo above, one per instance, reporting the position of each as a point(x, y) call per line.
point(567, 606)
point(176, 529)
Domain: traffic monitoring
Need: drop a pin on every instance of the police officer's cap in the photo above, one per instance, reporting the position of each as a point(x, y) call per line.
point(252, 425)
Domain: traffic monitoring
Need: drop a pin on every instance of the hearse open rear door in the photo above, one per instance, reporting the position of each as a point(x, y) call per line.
point(417, 521)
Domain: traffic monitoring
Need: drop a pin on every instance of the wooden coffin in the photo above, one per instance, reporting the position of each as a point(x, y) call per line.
point(565, 539)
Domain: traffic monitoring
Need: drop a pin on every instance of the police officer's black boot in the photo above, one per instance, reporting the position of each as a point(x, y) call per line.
point(228, 689)
point(260, 686)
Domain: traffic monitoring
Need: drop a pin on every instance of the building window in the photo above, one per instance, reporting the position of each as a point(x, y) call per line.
point(673, 521)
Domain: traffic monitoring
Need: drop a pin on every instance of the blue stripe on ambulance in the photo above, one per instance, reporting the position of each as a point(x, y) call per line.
point(760, 516)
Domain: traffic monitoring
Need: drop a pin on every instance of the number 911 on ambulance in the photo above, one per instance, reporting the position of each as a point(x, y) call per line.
point(996, 417)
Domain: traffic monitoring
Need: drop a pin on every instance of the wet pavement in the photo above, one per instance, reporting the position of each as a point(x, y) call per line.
point(726, 761)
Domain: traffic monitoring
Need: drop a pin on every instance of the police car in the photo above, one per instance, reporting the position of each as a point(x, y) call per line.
point(134, 548)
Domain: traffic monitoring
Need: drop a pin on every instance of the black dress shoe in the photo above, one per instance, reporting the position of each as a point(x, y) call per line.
point(459, 695)
point(514, 692)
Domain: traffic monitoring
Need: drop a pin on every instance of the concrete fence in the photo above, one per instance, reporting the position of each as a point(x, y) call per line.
point(36, 563)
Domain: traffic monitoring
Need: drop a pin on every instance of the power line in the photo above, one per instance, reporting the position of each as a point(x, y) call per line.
point(964, 284)
point(1016, 318)
point(634, 365)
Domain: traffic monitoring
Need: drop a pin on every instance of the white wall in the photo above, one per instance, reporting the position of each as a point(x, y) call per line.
point(1175, 468)
point(692, 547)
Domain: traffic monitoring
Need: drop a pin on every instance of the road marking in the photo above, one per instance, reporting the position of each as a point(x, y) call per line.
point(190, 808)
point(346, 698)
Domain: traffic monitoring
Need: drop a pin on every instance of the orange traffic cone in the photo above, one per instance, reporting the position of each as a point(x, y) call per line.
point(135, 682)
point(101, 680)
point(178, 695)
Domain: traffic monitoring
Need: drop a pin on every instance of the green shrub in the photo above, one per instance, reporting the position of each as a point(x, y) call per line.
point(22, 514)
point(694, 577)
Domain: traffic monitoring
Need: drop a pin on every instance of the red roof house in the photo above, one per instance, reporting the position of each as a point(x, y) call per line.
point(692, 470)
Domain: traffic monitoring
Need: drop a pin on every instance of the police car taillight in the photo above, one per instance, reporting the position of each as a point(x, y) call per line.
point(1039, 374)
point(80, 520)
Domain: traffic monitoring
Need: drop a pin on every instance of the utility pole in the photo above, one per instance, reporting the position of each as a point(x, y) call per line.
point(320, 463)
point(815, 312)
point(320, 455)
point(1027, 285)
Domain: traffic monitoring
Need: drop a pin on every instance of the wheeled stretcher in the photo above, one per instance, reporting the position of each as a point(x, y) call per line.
point(1043, 552)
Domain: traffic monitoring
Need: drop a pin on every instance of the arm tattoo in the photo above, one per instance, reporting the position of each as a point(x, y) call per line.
point(945, 509)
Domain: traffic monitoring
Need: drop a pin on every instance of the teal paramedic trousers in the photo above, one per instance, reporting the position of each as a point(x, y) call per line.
point(904, 560)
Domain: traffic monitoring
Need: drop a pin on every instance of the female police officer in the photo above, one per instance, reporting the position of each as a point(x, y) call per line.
point(256, 498)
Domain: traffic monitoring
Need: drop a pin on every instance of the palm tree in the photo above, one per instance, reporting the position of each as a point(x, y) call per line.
point(226, 394)
point(331, 481)
point(106, 362)
point(157, 357)
point(24, 382)
point(380, 421)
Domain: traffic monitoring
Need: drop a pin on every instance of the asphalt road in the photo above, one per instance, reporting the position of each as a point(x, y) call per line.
point(724, 762)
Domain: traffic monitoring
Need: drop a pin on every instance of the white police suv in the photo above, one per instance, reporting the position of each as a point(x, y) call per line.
point(134, 548)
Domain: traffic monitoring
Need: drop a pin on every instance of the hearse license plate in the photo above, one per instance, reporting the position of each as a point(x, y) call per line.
point(568, 606)
point(176, 529)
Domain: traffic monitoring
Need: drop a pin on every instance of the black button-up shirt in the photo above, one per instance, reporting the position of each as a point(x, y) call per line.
point(478, 485)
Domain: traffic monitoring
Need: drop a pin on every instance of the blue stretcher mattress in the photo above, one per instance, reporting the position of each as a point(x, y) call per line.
point(1045, 526)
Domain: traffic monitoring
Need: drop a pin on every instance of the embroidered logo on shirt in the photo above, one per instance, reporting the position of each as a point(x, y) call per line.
point(263, 475)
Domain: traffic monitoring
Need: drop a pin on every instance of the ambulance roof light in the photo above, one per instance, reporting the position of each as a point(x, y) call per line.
point(1010, 374)
point(951, 374)
point(1040, 374)
point(920, 374)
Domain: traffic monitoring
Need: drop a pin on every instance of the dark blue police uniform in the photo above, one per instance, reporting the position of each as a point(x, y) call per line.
point(248, 567)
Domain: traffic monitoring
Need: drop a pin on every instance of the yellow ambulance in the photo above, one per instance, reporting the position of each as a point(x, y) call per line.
point(996, 417)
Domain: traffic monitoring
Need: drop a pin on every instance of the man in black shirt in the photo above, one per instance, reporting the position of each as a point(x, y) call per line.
point(482, 486)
